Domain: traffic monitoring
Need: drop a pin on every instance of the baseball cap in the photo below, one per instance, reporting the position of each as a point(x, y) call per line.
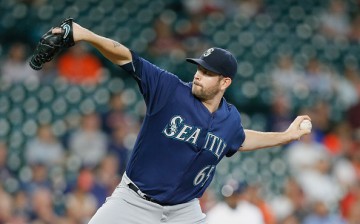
point(217, 60)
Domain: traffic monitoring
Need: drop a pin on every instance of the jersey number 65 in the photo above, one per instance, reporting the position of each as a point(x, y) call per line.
point(203, 175)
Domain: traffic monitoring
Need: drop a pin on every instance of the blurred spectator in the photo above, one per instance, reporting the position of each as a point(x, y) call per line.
point(320, 80)
point(280, 116)
point(22, 205)
point(165, 41)
point(256, 199)
point(203, 6)
point(115, 116)
point(350, 202)
point(290, 206)
point(249, 8)
point(39, 179)
point(42, 207)
point(348, 87)
point(79, 66)
point(341, 145)
point(320, 114)
point(320, 214)
point(6, 206)
point(335, 20)
point(319, 184)
point(286, 78)
point(347, 168)
point(354, 217)
point(192, 39)
point(235, 207)
point(49, 72)
point(345, 173)
point(106, 178)
point(7, 215)
point(290, 220)
point(81, 204)
point(88, 142)
point(338, 141)
point(304, 154)
point(15, 67)
point(45, 148)
point(118, 149)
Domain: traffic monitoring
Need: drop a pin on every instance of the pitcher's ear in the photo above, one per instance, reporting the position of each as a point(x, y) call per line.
point(226, 82)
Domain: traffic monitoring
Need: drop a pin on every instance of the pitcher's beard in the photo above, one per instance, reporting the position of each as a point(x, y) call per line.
point(203, 95)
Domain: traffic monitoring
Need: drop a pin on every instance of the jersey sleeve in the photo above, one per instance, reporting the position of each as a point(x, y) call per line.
point(238, 138)
point(156, 84)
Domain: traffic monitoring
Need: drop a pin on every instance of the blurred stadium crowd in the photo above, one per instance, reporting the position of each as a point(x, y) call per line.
point(66, 131)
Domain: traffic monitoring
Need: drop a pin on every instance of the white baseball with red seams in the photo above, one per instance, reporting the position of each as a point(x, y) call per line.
point(305, 125)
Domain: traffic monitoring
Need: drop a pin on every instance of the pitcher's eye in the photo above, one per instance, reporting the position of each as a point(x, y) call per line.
point(205, 71)
point(201, 69)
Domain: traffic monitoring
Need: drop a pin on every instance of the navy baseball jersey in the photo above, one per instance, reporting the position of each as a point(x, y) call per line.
point(180, 141)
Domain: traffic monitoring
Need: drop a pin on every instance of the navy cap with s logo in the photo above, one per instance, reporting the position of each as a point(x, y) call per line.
point(217, 60)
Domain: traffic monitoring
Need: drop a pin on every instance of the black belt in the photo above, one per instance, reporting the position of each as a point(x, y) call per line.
point(144, 196)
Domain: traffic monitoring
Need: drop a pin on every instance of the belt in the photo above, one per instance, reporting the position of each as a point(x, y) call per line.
point(142, 195)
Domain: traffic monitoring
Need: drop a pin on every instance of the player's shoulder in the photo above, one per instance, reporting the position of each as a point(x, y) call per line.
point(231, 108)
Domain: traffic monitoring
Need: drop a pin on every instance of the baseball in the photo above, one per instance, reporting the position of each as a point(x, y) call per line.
point(305, 124)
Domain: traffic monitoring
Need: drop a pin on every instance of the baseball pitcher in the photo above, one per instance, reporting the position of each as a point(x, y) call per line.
point(188, 129)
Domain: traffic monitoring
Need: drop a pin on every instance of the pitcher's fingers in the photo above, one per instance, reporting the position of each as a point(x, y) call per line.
point(306, 117)
point(56, 30)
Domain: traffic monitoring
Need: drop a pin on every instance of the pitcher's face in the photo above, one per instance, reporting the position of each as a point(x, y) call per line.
point(206, 84)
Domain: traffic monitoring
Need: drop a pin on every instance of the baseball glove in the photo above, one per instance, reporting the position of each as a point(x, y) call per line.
point(50, 44)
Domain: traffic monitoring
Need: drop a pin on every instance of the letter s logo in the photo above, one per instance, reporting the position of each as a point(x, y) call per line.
point(172, 128)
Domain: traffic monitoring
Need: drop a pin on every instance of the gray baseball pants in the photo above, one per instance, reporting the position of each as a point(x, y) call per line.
point(125, 206)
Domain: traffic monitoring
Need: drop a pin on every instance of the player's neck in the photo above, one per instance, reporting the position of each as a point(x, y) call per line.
point(212, 104)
